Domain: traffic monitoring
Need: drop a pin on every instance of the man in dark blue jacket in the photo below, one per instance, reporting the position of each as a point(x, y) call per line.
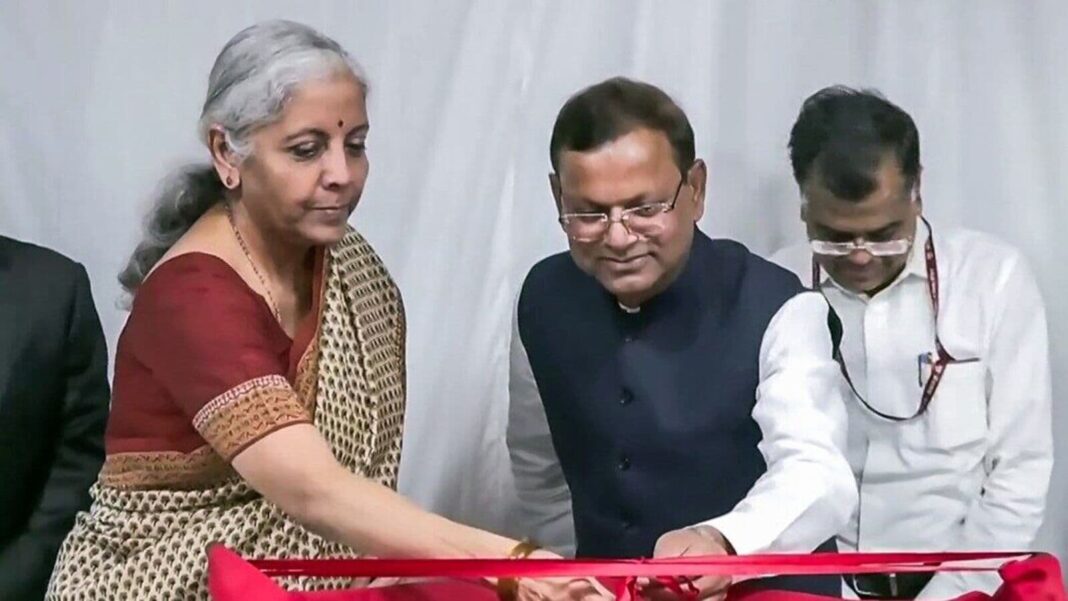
point(670, 394)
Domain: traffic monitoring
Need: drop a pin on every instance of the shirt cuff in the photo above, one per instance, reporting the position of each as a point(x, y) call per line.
point(741, 531)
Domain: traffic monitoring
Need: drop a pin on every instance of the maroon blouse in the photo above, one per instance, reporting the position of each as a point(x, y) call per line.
point(202, 370)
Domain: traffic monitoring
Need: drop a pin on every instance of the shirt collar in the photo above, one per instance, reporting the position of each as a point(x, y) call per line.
point(686, 279)
point(915, 266)
point(917, 263)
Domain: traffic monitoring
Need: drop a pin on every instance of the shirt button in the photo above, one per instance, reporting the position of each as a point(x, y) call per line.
point(626, 397)
point(624, 463)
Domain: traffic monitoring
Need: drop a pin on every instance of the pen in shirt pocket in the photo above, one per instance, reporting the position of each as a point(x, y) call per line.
point(925, 361)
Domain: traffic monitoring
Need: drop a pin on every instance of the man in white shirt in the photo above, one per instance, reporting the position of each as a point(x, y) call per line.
point(670, 394)
point(944, 342)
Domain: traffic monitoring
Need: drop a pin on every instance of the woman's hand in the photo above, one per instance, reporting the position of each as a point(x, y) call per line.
point(560, 589)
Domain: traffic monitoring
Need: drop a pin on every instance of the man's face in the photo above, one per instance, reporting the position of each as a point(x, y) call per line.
point(633, 170)
point(888, 213)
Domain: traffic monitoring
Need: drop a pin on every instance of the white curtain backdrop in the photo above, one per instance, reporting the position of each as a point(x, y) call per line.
point(99, 99)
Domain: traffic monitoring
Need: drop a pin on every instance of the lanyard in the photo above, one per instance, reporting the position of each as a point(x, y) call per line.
point(941, 358)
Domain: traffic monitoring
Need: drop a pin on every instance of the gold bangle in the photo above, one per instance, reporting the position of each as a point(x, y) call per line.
point(508, 588)
point(523, 549)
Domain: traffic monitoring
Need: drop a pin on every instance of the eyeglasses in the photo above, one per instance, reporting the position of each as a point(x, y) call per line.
point(643, 220)
point(889, 248)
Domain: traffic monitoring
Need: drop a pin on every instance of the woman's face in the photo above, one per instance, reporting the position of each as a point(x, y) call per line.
point(307, 170)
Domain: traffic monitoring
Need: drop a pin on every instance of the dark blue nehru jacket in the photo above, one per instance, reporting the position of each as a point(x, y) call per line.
point(650, 412)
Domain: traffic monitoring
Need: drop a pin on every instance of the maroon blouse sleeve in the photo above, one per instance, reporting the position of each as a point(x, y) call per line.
point(213, 345)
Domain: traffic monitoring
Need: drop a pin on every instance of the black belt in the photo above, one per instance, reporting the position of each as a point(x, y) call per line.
point(904, 585)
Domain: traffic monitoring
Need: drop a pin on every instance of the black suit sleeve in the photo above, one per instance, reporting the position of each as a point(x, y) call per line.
point(26, 564)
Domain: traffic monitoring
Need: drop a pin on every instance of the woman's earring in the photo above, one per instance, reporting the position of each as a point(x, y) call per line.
point(229, 182)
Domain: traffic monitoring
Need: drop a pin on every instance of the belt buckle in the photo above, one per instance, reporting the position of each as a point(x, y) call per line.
point(855, 584)
point(891, 581)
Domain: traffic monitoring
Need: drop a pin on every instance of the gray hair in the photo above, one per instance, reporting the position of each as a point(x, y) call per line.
point(254, 76)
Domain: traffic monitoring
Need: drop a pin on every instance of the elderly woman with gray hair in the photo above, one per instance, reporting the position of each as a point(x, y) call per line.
point(260, 379)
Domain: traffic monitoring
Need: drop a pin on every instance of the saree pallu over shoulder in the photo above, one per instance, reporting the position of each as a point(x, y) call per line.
point(146, 539)
point(362, 375)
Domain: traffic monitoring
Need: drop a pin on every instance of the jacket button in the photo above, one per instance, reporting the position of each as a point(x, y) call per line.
point(626, 397)
point(624, 463)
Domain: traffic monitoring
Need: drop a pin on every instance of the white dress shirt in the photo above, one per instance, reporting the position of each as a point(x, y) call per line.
point(973, 471)
point(805, 496)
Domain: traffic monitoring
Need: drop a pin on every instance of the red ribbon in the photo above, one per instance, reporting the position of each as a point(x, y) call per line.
point(733, 565)
point(627, 572)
